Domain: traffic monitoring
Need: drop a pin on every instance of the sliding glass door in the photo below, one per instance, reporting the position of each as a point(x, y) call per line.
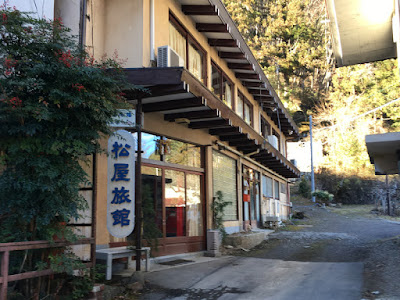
point(176, 197)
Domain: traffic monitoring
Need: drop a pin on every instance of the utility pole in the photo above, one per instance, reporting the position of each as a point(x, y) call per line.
point(312, 163)
point(388, 195)
point(138, 185)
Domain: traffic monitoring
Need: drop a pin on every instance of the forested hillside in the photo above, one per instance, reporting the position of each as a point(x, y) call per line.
point(291, 40)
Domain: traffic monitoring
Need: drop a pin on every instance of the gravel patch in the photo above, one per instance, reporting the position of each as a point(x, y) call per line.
point(301, 235)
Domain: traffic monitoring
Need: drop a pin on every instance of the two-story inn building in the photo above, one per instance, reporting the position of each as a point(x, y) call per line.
point(212, 121)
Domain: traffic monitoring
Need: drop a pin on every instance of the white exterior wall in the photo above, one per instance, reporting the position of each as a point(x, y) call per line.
point(39, 8)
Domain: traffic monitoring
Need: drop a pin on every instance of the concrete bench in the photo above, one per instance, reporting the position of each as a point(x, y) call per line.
point(108, 254)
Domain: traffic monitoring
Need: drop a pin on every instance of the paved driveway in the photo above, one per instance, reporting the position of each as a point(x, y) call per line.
point(258, 278)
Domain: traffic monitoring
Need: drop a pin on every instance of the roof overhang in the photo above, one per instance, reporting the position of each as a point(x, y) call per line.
point(362, 30)
point(182, 98)
point(213, 20)
point(384, 152)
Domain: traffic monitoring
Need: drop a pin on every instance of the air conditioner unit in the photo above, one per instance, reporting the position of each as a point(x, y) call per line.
point(294, 162)
point(167, 57)
point(273, 140)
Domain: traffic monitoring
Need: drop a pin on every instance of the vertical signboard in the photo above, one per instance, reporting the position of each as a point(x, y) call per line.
point(121, 184)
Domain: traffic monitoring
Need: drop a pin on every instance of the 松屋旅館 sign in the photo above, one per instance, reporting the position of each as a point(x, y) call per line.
point(121, 184)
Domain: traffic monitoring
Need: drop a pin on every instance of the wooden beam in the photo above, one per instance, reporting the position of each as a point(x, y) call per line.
point(248, 148)
point(167, 90)
point(264, 93)
point(234, 138)
point(199, 10)
point(232, 55)
point(174, 104)
point(209, 124)
point(254, 85)
point(225, 131)
point(193, 115)
point(222, 43)
point(207, 27)
point(247, 76)
point(242, 143)
point(268, 99)
point(240, 66)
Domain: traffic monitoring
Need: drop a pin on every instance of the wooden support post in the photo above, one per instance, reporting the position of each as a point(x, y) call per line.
point(4, 274)
point(138, 184)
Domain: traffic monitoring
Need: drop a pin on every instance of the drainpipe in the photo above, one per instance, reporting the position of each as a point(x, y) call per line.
point(82, 25)
point(152, 57)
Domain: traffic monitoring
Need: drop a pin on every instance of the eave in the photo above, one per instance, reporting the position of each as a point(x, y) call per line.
point(213, 20)
point(384, 152)
point(177, 95)
point(362, 30)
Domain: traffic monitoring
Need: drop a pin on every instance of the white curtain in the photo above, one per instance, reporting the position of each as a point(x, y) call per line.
point(177, 41)
point(195, 62)
point(193, 205)
point(228, 94)
point(240, 107)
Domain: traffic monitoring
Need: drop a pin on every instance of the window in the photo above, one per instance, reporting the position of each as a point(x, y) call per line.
point(276, 189)
point(283, 188)
point(245, 109)
point(279, 139)
point(221, 85)
point(267, 186)
point(265, 128)
point(181, 153)
point(187, 48)
point(224, 180)
point(156, 147)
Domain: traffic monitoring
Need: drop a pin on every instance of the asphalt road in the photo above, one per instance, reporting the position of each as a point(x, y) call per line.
point(338, 257)
point(257, 278)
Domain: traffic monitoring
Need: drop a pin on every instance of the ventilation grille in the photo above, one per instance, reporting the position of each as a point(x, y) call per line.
point(162, 58)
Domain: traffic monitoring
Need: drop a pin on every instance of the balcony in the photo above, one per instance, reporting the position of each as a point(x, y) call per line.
point(178, 95)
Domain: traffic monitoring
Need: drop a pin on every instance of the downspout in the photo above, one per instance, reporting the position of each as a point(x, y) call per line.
point(82, 25)
point(152, 56)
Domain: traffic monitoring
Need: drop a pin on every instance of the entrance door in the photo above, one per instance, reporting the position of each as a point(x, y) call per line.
point(178, 209)
point(251, 207)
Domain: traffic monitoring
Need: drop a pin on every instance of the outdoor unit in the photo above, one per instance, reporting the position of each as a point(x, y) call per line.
point(273, 140)
point(167, 57)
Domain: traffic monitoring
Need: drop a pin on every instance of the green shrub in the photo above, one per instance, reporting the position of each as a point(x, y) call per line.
point(349, 189)
point(322, 196)
point(218, 207)
point(305, 187)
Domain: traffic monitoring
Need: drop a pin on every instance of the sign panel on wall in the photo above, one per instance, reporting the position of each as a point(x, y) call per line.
point(121, 184)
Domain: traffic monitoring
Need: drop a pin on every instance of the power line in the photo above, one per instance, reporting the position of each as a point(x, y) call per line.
point(362, 115)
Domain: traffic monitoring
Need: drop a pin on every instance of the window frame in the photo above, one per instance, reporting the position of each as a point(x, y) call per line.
point(222, 76)
point(236, 184)
point(276, 190)
point(268, 126)
point(275, 133)
point(246, 101)
point(190, 39)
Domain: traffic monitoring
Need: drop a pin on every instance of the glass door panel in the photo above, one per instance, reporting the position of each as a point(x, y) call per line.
point(152, 202)
point(175, 203)
point(193, 205)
